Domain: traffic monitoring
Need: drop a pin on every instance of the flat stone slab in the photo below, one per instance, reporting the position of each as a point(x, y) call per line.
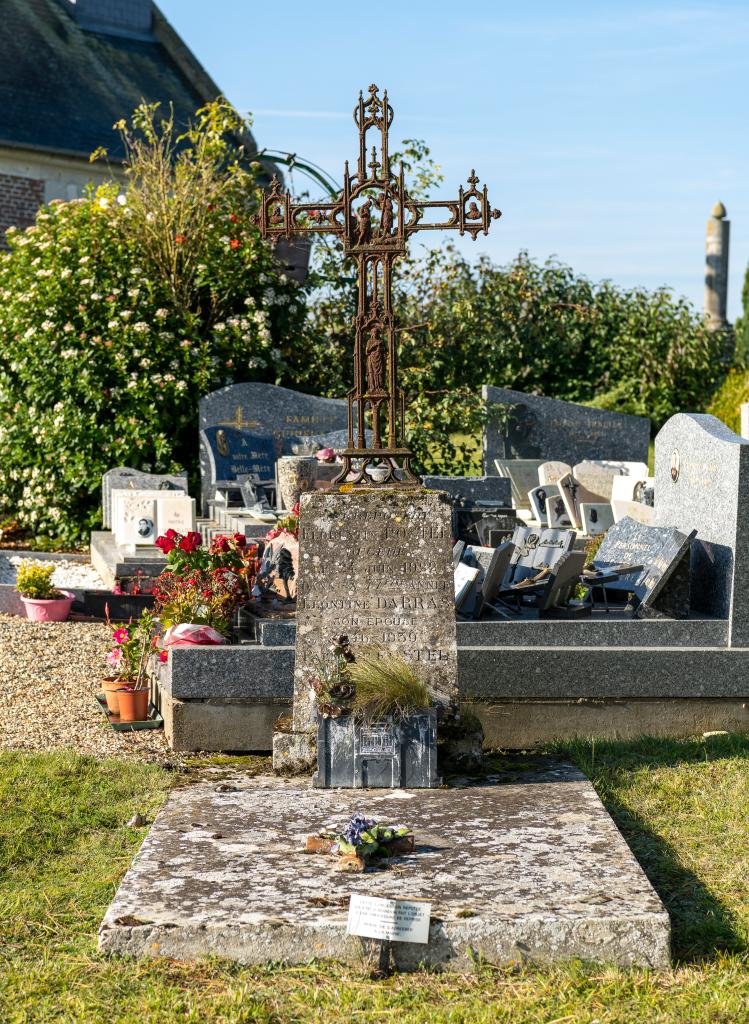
point(526, 865)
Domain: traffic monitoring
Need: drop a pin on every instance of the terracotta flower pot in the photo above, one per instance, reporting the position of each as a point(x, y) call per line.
point(110, 688)
point(133, 705)
point(55, 610)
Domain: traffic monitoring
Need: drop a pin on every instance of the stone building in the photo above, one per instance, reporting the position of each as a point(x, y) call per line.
point(68, 70)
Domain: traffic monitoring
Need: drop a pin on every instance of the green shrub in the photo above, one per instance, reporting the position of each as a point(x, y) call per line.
point(118, 311)
point(732, 393)
point(536, 327)
point(34, 580)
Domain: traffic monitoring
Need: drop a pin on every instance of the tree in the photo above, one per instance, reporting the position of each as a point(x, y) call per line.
point(118, 311)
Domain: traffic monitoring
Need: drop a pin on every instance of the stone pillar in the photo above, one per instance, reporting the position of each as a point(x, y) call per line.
point(716, 267)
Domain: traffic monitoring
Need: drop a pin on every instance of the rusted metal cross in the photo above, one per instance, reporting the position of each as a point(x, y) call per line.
point(374, 216)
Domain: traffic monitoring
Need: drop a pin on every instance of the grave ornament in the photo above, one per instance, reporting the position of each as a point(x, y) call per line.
point(375, 244)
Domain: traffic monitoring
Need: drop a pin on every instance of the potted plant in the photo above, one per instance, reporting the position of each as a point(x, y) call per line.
point(41, 599)
point(375, 724)
point(127, 691)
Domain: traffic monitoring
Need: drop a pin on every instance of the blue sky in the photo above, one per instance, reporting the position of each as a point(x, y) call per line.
point(605, 131)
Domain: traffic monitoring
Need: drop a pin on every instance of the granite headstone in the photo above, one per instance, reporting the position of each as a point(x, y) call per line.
point(123, 478)
point(267, 410)
point(522, 426)
point(702, 483)
point(495, 489)
point(661, 588)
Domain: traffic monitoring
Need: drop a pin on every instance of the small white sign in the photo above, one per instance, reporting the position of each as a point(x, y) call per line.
point(395, 920)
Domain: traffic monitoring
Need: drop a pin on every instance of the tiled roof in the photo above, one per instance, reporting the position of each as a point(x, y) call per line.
point(63, 87)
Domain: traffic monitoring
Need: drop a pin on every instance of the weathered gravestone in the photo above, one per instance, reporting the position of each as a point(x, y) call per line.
point(661, 588)
point(269, 412)
point(702, 484)
point(521, 426)
point(233, 453)
point(123, 478)
point(375, 566)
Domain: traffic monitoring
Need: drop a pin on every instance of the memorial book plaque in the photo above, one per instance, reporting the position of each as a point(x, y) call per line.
point(377, 568)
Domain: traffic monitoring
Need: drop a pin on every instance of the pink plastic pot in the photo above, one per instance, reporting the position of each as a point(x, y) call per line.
point(56, 610)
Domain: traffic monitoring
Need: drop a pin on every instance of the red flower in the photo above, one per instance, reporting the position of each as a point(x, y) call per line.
point(171, 534)
point(191, 542)
point(240, 540)
point(295, 510)
point(233, 218)
point(180, 239)
point(166, 544)
point(235, 243)
point(163, 656)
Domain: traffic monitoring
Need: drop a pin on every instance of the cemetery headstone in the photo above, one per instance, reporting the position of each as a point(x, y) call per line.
point(522, 426)
point(493, 489)
point(573, 495)
point(122, 478)
point(702, 483)
point(265, 410)
point(535, 550)
point(550, 472)
point(377, 567)
point(661, 588)
point(140, 516)
point(556, 512)
point(523, 475)
point(599, 476)
point(229, 453)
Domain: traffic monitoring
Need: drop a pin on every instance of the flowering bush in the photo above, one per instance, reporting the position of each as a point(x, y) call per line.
point(118, 311)
point(34, 580)
point(132, 645)
point(204, 586)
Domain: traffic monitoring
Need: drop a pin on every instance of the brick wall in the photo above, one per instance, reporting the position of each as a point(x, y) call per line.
point(20, 198)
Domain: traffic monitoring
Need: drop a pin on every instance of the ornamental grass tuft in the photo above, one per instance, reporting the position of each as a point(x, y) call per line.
point(386, 684)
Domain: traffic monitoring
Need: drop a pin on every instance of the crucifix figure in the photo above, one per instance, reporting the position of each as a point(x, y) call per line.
point(375, 248)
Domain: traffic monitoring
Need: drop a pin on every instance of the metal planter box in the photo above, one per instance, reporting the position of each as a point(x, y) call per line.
point(387, 754)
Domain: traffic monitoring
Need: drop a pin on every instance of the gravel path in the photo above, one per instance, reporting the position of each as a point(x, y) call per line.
point(49, 673)
point(66, 574)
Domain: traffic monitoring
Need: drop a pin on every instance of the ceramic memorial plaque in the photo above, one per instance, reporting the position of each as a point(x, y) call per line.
point(538, 498)
point(556, 513)
point(596, 517)
point(137, 519)
point(175, 512)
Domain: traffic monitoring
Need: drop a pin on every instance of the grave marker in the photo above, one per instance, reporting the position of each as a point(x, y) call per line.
point(662, 586)
point(522, 426)
point(702, 484)
point(124, 478)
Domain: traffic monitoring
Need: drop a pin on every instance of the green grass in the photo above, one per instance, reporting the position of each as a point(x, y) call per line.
point(64, 844)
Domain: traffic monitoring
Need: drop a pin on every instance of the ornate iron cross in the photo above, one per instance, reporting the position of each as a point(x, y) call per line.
point(374, 216)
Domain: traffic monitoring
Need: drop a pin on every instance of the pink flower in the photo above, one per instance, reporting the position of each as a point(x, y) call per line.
point(163, 656)
point(121, 635)
point(325, 455)
point(115, 657)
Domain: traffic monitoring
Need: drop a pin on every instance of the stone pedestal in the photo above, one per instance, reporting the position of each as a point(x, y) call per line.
point(375, 565)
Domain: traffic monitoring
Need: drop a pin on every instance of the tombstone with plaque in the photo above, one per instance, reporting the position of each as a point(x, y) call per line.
point(659, 581)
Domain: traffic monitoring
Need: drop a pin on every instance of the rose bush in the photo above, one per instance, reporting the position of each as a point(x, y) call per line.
point(120, 310)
